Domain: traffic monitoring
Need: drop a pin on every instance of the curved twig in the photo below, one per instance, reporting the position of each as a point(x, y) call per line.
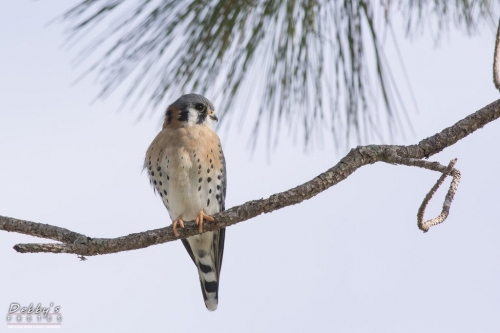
point(424, 226)
point(496, 60)
point(72, 242)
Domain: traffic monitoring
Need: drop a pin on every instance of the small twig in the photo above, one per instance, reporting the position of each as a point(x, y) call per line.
point(496, 60)
point(434, 166)
point(424, 226)
point(445, 170)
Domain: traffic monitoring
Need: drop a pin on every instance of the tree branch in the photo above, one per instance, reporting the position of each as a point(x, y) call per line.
point(412, 155)
point(496, 60)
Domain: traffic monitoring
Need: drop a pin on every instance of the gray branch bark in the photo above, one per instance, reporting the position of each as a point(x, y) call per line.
point(412, 155)
point(496, 59)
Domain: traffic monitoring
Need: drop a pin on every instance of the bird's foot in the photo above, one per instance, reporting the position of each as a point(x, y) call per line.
point(199, 220)
point(177, 221)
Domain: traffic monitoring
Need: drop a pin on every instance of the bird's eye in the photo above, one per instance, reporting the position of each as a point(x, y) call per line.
point(199, 107)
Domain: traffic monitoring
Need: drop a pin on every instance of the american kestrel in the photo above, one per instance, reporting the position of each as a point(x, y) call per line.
point(186, 166)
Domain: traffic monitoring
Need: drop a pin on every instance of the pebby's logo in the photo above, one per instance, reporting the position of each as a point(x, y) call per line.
point(32, 316)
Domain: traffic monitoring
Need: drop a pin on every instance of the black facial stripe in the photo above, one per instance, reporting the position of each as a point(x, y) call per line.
point(184, 115)
point(201, 117)
point(169, 116)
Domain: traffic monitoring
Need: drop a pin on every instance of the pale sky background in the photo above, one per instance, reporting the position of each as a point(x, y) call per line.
point(349, 260)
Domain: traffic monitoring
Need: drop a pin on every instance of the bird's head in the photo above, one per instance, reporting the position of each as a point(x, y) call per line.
point(190, 110)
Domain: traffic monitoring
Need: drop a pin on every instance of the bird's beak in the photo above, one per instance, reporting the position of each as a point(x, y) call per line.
point(213, 116)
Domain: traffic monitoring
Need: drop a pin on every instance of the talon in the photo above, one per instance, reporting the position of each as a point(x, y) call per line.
point(199, 220)
point(177, 221)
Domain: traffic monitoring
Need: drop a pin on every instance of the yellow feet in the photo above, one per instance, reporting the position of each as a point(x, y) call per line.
point(177, 221)
point(199, 220)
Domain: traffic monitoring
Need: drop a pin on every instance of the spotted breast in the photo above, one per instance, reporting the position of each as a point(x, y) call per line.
point(187, 168)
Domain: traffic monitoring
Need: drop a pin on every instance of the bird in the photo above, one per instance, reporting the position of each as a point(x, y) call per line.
point(186, 166)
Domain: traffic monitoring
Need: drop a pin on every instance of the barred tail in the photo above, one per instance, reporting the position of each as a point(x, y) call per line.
point(206, 251)
point(208, 281)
